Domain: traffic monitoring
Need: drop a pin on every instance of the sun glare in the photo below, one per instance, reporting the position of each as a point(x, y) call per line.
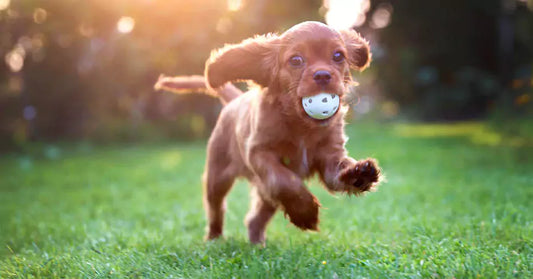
point(344, 14)
point(234, 5)
point(125, 24)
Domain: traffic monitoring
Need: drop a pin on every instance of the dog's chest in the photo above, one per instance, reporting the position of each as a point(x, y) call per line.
point(297, 158)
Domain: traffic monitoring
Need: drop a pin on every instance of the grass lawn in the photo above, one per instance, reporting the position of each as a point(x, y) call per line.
point(458, 202)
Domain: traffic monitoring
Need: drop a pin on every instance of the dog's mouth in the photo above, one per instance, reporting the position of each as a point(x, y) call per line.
point(321, 106)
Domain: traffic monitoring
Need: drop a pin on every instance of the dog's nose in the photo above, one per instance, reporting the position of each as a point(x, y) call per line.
point(322, 77)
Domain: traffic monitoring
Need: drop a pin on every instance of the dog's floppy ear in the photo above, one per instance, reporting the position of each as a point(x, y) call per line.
point(253, 59)
point(359, 55)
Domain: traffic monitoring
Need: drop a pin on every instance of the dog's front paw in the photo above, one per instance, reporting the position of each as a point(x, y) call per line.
point(361, 177)
point(302, 211)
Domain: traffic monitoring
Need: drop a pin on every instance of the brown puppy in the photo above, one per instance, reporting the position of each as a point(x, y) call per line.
point(266, 136)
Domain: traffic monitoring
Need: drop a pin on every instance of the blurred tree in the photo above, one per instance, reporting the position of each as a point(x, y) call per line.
point(84, 69)
point(454, 59)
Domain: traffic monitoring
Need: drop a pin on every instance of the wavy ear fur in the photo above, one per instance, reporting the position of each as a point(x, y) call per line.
point(253, 59)
point(359, 55)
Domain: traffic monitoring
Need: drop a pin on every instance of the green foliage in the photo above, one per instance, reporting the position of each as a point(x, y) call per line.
point(454, 205)
point(86, 80)
point(456, 59)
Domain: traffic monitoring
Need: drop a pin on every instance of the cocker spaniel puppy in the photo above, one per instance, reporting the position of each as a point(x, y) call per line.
point(285, 130)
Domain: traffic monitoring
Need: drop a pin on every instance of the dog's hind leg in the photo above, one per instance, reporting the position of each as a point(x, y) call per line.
point(261, 212)
point(218, 180)
point(216, 188)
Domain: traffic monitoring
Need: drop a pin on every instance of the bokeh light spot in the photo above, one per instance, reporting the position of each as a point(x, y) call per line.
point(382, 16)
point(522, 99)
point(86, 30)
point(390, 108)
point(224, 25)
point(64, 41)
point(198, 125)
point(25, 163)
point(4, 4)
point(37, 41)
point(364, 106)
point(234, 5)
point(345, 14)
point(12, 14)
point(52, 152)
point(25, 42)
point(29, 112)
point(125, 24)
point(40, 15)
point(15, 59)
point(170, 160)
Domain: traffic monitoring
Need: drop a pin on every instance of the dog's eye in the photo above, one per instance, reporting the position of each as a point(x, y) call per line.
point(338, 56)
point(296, 61)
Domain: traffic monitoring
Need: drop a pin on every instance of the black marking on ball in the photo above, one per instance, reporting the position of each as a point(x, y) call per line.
point(333, 96)
point(325, 112)
point(325, 100)
point(310, 100)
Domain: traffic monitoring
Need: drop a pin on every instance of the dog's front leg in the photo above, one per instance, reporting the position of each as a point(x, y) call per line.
point(341, 173)
point(280, 186)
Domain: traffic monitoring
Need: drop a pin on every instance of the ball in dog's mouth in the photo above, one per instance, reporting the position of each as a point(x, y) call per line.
point(321, 106)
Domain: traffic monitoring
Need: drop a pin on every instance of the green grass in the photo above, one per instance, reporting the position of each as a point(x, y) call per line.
point(457, 203)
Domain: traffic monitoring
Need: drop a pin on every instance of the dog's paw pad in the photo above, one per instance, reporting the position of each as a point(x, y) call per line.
point(362, 176)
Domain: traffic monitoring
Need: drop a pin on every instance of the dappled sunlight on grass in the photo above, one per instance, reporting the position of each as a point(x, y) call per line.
point(476, 132)
point(170, 160)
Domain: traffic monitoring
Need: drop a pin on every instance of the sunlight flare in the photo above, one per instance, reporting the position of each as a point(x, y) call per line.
point(125, 24)
point(344, 14)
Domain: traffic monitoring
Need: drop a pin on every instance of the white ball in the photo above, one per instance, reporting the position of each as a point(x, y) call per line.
point(321, 105)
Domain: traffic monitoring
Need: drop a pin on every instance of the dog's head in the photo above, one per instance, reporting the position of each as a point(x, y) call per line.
point(307, 59)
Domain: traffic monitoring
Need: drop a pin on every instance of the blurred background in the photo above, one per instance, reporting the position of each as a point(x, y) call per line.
point(83, 70)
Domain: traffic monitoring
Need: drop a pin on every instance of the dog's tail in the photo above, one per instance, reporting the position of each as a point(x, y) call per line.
point(188, 84)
